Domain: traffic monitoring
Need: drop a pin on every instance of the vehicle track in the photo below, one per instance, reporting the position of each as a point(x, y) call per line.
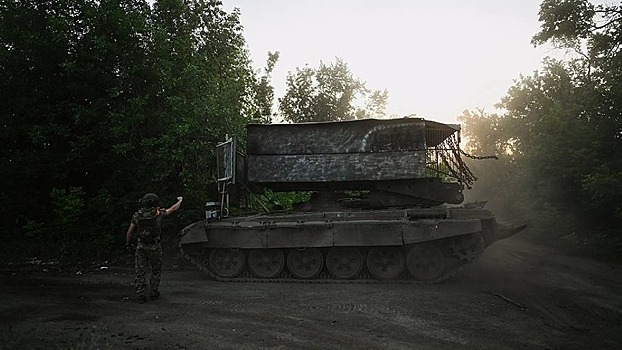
point(456, 263)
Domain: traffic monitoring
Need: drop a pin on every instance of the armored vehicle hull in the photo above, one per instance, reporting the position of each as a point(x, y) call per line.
point(376, 214)
point(425, 245)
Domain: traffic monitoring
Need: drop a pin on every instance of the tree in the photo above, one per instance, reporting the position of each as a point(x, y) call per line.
point(66, 68)
point(593, 32)
point(328, 93)
point(261, 109)
point(103, 100)
point(499, 181)
point(562, 126)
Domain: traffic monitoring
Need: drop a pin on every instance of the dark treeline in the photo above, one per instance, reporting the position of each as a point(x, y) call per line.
point(102, 101)
point(560, 137)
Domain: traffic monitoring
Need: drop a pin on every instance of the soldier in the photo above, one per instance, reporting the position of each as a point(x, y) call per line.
point(147, 221)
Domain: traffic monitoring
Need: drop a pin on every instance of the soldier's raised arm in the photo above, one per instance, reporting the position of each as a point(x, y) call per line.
point(174, 207)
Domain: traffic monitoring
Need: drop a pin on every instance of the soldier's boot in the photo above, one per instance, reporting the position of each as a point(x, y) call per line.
point(155, 294)
point(141, 299)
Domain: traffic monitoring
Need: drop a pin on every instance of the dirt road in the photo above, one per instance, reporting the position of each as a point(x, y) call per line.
point(518, 296)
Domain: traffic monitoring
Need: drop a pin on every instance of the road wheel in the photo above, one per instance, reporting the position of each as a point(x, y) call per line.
point(385, 263)
point(425, 262)
point(226, 262)
point(305, 263)
point(266, 263)
point(344, 263)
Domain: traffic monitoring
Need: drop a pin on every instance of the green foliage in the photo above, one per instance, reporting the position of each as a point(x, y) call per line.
point(283, 200)
point(269, 201)
point(603, 192)
point(564, 21)
point(562, 128)
point(67, 206)
point(328, 93)
point(102, 101)
point(33, 229)
point(375, 105)
point(261, 108)
point(485, 134)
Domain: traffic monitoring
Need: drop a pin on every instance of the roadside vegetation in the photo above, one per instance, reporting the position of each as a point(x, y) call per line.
point(560, 134)
point(102, 101)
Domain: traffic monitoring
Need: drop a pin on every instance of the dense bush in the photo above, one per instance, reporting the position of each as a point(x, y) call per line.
point(103, 101)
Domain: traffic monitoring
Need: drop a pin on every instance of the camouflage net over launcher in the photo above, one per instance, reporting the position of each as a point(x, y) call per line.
point(449, 153)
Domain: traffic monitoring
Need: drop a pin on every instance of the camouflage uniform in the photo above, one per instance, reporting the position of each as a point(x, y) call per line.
point(148, 255)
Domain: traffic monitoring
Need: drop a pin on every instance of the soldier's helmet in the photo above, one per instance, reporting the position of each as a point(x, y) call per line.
point(150, 200)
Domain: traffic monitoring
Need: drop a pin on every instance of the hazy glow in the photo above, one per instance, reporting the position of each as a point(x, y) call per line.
point(436, 58)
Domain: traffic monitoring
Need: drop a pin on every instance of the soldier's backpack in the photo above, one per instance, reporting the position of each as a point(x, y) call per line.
point(148, 225)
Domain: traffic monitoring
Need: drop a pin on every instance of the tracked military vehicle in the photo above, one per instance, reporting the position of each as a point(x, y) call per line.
point(383, 205)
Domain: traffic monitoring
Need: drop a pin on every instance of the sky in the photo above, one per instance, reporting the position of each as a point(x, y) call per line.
point(435, 58)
